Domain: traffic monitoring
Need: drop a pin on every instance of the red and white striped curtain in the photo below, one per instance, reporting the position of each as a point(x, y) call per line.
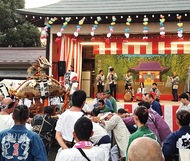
point(154, 46)
point(71, 52)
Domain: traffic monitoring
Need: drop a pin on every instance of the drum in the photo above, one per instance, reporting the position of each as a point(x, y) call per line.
point(127, 96)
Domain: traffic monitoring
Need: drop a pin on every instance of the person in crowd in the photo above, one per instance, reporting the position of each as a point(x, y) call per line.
point(155, 92)
point(83, 149)
point(112, 78)
point(123, 114)
point(102, 107)
point(188, 93)
point(175, 83)
point(44, 125)
point(97, 98)
point(18, 143)
point(128, 78)
point(178, 139)
point(145, 149)
point(129, 94)
point(155, 105)
point(155, 122)
point(100, 78)
point(1, 99)
point(66, 121)
point(185, 103)
point(5, 115)
point(140, 91)
point(113, 122)
point(112, 100)
point(140, 119)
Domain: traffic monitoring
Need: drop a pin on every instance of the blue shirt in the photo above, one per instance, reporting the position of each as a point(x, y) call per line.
point(18, 143)
point(156, 107)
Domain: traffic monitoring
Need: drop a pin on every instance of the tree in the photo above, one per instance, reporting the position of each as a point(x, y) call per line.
point(15, 31)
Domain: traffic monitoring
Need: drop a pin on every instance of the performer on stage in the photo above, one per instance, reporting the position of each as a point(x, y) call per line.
point(128, 78)
point(175, 82)
point(100, 81)
point(140, 92)
point(112, 78)
point(155, 92)
point(129, 94)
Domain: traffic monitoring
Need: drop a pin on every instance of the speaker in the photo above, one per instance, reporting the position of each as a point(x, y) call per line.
point(61, 68)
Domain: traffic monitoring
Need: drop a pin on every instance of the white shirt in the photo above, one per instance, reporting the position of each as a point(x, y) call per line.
point(6, 122)
point(73, 154)
point(66, 122)
point(184, 107)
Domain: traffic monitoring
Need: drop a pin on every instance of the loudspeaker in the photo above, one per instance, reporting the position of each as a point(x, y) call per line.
point(61, 68)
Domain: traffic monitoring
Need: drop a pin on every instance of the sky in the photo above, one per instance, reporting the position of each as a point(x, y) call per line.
point(38, 3)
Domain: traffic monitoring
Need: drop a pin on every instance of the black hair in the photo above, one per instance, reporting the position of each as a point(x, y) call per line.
point(48, 110)
point(111, 69)
point(150, 95)
point(100, 71)
point(101, 101)
point(78, 98)
point(184, 117)
point(83, 128)
point(142, 113)
point(184, 95)
point(21, 113)
point(145, 104)
point(154, 84)
point(95, 111)
point(122, 111)
point(142, 84)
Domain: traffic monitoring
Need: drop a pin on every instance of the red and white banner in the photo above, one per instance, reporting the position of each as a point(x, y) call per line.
point(169, 113)
point(153, 46)
point(71, 52)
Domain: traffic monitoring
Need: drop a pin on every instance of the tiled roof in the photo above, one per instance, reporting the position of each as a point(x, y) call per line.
point(149, 66)
point(109, 7)
point(20, 55)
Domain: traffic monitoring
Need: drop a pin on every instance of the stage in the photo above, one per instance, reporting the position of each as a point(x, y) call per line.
point(169, 109)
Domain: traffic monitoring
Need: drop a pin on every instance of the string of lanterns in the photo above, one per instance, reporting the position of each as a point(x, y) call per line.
point(78, 28)
point(180, 28)
point(162, 28)
point(111, 27)
point(94, 27)
point(145, 28)
point(128, 23)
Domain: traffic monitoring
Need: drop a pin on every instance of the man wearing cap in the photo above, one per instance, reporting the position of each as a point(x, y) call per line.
point(185, 104)
point(112, 100)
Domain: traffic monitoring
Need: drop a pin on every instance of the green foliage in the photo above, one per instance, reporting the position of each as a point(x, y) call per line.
point(14, 30)
point(122, 63)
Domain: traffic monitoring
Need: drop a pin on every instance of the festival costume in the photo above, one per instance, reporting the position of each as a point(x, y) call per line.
point(175, 141)
point(44, 126)
point(184, 107)
point(73, 154)
point(121, 134)
point(128, 80)
point(142, 131)
point(156, 107)
point(175, 82)
point(114, 104)
point(100, 82)
point(18, 143)
point(155, 123)
point(112, 78)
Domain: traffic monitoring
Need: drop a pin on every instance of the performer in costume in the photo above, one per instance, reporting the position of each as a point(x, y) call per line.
point(140, 92)
point(129, 94)
point(155, 92)
point(112, 78)
point(175, 82)
point(128, 78)
point(100, 81)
